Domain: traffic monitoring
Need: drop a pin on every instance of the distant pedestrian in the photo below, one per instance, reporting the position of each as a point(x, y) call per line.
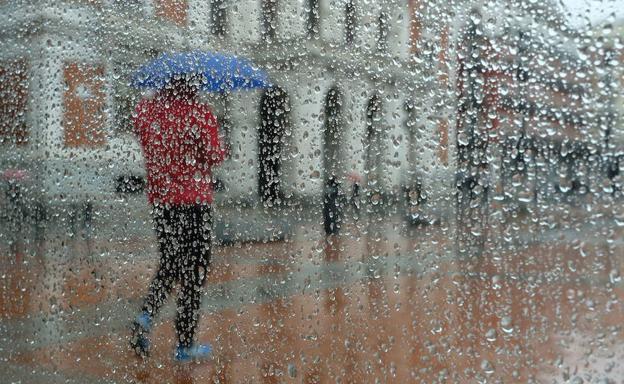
point(465, 184)
point(179, 137)
point(16, 208)
point(485, 182)
point(355, 180)
point(332, 207)
point(613, 173)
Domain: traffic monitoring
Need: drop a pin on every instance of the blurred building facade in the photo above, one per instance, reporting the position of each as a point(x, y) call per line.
point(398, 94)
point(70, 63)
point(604, 48)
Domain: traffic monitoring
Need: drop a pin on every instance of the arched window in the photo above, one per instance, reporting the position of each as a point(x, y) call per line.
point(13, 102)
point(269, 19)
point(274, 111)
point(415, 23)
point(313, 18)
point(333, 133)
point(373, 145)
point(350, 22)
point(471, 128)
point(382, 38)
point(218, 18)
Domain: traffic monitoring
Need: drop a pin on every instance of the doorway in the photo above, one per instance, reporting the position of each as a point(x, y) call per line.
point(373, 160)
point(274, 110)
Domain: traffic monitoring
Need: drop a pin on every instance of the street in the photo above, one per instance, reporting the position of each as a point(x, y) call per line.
point(381, 302)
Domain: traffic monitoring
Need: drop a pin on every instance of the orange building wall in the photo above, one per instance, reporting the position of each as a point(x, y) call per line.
point(13, 102)
point(415, 11)
point(83, 105)
point(172, 10)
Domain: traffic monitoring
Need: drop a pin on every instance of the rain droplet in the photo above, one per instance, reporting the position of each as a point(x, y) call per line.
point(487, 367)
point(614, 276)
point(292, 370)
point(506, 325)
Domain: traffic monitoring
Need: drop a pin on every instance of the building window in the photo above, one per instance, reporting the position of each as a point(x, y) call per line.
point(415, 11)
point(218, 17)
point(382, 38)
point(84, 102)
point(274, 122)
point(13, 101)
point(350, 22)
point(313, 18)
point(332, 137)
point(374, 151)
point(269, 19)
point(172, 10)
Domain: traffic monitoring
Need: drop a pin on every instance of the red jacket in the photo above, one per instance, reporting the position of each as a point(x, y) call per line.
point(180, 144)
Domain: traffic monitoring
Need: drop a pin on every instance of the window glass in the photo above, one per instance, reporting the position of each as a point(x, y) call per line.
point(311, 191)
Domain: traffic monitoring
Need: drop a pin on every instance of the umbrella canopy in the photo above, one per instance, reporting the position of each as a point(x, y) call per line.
point(220, 72)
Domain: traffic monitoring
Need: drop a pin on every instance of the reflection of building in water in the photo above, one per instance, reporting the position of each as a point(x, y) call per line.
point(365, 88)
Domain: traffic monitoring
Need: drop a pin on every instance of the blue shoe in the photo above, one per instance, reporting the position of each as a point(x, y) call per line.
point(139, 341)
point(193, 353)
point(145, 321)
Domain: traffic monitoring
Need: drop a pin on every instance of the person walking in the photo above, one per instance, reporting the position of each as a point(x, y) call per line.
point(180, 142)
point(333, 205)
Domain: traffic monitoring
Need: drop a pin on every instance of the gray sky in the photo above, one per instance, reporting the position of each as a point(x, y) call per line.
point(594, 10)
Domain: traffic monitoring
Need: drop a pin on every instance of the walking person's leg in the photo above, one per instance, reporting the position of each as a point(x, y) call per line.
point(196, 261)
point(167, 224)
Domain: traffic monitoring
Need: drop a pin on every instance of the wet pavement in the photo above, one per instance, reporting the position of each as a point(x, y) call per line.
point(541, 301)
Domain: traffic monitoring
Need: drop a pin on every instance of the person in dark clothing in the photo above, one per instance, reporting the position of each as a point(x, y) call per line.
point(179, 138)
point(332, 207)
point(355, 201)
point(613, 173)
point(355, 198)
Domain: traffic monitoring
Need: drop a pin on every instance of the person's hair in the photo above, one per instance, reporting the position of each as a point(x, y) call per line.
point(184, 86)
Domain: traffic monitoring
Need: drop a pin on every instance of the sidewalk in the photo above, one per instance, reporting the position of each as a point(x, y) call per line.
point(384, 294)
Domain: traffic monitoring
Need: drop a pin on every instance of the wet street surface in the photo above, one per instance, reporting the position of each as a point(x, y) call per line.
point(384, 301)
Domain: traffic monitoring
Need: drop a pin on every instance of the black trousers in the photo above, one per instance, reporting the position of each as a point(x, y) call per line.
point(184, 238)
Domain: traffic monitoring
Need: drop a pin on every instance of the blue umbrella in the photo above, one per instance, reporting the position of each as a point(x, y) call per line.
point(221, 72)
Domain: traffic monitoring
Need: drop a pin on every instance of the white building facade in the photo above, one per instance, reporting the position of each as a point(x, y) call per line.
point(365, 90)
point(78, 60)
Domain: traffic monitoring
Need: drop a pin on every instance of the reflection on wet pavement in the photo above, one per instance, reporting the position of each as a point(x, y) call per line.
point(383, 302)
